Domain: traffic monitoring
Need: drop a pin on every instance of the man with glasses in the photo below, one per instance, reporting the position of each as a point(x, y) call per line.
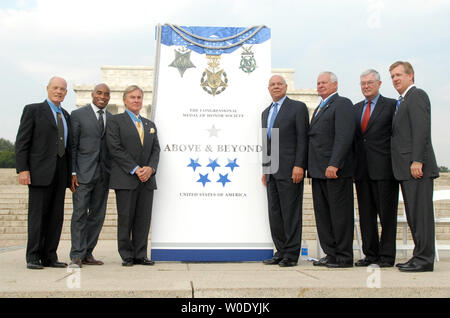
point(376, 188)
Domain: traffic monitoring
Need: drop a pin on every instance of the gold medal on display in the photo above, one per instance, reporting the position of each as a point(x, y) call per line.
point(214, 80)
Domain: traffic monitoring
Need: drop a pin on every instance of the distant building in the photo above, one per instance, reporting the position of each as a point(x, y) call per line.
point(119, 77)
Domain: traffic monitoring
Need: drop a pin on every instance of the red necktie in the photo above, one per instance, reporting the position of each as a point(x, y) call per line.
point(366, 117)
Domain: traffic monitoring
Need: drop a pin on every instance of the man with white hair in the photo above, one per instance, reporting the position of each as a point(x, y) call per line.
point(43, 162)
point(376, 187)
point(331, 167)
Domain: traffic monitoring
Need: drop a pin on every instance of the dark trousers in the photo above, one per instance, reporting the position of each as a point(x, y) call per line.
point(378, 198)
point(333, 210)
point(418, 199)
point(285, 200)
point(134, 209)
point(46, 216)
point(89, 209)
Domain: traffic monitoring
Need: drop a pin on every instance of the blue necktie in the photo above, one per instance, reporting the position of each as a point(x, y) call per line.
point(272, 118)
point(321, 105)
point(399, 101)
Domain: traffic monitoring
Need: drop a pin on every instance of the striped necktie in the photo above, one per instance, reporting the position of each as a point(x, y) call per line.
point(399, 101)
point(101, 122)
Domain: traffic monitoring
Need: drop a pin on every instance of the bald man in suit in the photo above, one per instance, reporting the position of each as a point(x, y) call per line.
point(284, 181)
point(43, 162)
point(90, 176)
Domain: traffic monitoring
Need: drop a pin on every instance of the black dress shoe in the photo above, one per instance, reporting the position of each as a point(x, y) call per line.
point(403, 264)
point(384, 264)
point(364, 262)
point(34, 265)
point(128, 262)
point(143, 261)
point(339, 265)
point(285, 262)
point(322, 262)
point(413, 267)
point(272, 261)
point(55, 264)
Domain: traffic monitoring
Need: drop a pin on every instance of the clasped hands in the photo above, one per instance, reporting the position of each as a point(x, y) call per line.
point(144, 173)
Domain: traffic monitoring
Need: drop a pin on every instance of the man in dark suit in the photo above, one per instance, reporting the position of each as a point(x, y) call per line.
point(414, 164)
point(133, 144)
point(331, 167)
point(43, 162)
point(376, 187)
point(90, 176)
point(287, 124)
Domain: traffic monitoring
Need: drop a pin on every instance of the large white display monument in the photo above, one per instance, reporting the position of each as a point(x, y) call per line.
point(210, 89)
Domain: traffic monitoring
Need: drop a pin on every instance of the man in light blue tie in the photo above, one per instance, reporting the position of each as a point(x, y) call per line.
point(414, 165)
point(287, 124)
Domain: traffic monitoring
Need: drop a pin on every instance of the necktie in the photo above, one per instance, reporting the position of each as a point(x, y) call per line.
point(140, 131)
point(399, 101)
point(61, 148)
point(272, 119)
point(321, 105)
point(101, 123)
point(366, 117)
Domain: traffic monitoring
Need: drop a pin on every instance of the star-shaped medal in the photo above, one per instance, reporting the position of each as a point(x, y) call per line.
point(182, 61)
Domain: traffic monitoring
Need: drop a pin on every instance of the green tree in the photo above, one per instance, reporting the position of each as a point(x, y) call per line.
point(7, 154)
point(443, 169)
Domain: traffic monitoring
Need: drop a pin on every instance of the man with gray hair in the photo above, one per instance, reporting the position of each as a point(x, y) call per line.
point(376, 187)
point(133, 144)
point(287, 120)
point(331, 167)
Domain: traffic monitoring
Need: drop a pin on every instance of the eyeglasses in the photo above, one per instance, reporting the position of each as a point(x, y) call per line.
point(369, 83)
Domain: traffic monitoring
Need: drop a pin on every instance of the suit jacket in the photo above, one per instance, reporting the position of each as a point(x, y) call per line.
point(331, 135)
point(36, 144)
point(127, 152)
point(373, 147)
point(88, 144)
point(293, 122)
point(411, 136)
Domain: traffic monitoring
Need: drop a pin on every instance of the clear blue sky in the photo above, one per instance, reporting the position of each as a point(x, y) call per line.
point(73, 39)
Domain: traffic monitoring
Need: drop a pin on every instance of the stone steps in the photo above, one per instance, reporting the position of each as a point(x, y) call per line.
point(14, 209)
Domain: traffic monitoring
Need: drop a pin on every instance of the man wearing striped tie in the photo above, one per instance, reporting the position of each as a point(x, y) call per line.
point(286, 144)
point(133, 144)
point(376, 188)
point(414, 164)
